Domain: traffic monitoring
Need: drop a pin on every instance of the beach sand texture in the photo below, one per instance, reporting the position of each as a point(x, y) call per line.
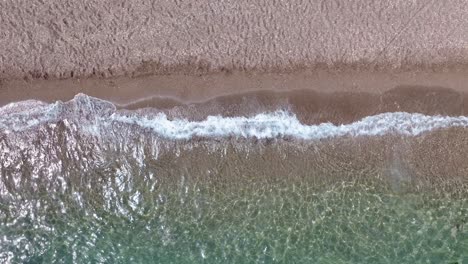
point(50, 39)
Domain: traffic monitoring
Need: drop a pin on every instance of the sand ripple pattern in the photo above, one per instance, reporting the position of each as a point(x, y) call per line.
point(81, 38)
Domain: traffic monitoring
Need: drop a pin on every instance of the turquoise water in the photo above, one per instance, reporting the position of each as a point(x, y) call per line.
point(258, 222)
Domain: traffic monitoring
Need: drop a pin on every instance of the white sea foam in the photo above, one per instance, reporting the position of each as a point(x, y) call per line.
point(99, 115)
point(284, 124)
point(27, 114)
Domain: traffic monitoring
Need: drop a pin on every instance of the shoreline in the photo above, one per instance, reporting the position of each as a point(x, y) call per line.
point(233, 131)
point(194, 52)
point(190, 88)
point(316, 96)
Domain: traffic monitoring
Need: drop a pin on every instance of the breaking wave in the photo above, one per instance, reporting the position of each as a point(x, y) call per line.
point(96, 115)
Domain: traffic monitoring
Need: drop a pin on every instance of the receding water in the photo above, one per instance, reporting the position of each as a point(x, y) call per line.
point(84, 183)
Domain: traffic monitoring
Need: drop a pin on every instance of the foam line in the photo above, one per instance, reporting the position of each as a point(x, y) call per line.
point(100, 115)
point(285, 124)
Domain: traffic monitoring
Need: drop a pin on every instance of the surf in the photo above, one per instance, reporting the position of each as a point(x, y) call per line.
point(96, 116)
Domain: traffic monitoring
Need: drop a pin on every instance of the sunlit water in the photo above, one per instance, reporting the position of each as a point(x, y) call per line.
point(85, 183)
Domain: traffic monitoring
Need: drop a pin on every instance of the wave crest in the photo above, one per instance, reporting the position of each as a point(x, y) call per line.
point(96, 116)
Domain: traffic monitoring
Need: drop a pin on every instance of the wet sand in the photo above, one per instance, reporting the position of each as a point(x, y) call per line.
point(313, 107)
point(338, 96)
point(198, 88)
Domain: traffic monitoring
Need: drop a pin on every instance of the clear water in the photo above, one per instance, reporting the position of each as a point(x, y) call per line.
point(76, 188)
point(279, 223)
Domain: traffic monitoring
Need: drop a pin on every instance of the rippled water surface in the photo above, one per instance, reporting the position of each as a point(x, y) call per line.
point(82, 182)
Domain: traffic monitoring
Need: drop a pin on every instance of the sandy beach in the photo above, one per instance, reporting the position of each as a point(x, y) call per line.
point(127, 51)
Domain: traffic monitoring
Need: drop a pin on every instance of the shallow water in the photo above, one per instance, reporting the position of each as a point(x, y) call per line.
point(83, 182)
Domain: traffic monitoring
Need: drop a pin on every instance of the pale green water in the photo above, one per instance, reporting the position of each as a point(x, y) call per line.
point(256, 222)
